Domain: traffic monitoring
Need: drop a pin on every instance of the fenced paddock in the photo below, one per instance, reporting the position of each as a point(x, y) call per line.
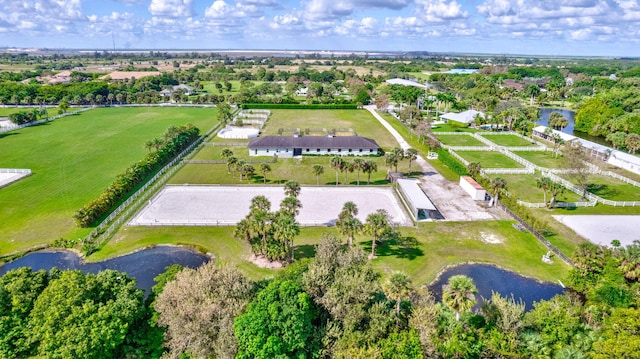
point(226, 205)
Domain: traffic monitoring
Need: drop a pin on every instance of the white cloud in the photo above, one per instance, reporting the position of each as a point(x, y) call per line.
point(171, 8)
point(40, 16)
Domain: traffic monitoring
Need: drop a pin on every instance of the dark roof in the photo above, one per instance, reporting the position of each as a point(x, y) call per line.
point(313, 142)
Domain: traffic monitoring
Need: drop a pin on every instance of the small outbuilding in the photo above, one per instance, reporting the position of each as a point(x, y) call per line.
point(475, 190)
point(466, 117)
point(416, 200)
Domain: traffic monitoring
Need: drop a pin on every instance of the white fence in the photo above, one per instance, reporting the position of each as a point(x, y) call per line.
point(21, 172)
point(454, 154)
point(518, 159)
point(621, 178)
point(39, 122)
point(508, 171)
point(557, 204)
point(470, 148)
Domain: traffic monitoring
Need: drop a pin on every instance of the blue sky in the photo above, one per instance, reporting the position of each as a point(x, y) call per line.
point(544, 27)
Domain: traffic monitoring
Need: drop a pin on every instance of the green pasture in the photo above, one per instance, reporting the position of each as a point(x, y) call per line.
point(489, 159)
point(361, 121)
point(524, 187)
point(285, 169)
point(460, 140)
point(612, 189)
point(446, 127)
point(73, 159)
point(546, 159)
point(420, 252)
point(507, 140)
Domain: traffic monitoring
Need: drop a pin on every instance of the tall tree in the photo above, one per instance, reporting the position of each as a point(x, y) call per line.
point(285, 228)
point(358, 163)
point(347, 222)
point(318, 169)
point(277, 324)
point(497, 184)
point(459, 294)
point(579, 162)
point(231, 164)
point(397, 287)
point(411, 154)
point(292, 189)
point(226, 153)
point(337, 163)
point(544, 183)
point(369, 167)
point(265, 168)
point(377, 225)
point(198, 309)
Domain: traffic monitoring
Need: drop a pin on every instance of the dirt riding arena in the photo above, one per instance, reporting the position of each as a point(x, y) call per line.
point(604, 228)
point(227, 205)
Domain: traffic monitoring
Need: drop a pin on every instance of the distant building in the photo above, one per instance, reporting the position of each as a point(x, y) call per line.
point(466, 117)
point(462, 71)
point(418, 203)
point(284, 146)
point(404, 82)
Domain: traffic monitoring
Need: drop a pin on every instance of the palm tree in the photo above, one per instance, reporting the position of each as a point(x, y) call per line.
point(318, 169)
point(337, 163)
point(291, 205)
point(397, 287)
point(474, 169)
point(377, 225)
point(369, 167)
point(459, 294)
point(544, 183)
point(226, 153)
point(411, 154)
point(238, 165)
point(292, 189)
point(556, 189)
point(390, 159)
point(497, 184)
point(399, 155)
point(264, 168)
point(231, 163)
point(533, 91)
point(357, 166)
point(248, 171)
point(346, 168)
point(285, 228)
point(243, 230)
point(347, 222)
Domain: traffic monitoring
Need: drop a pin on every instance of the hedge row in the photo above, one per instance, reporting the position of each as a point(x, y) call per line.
point(175, 140)
point(297, 106)
point(456, 166)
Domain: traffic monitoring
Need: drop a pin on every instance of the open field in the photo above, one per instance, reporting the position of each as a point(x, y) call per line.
point(524, 187)
point(507, 140)
point(460, 140)
point(73, 159)
point(489, 159)
point(192, 205)
point(421, 253)
point(360, 121)
point(543, 159)
point(450, 128)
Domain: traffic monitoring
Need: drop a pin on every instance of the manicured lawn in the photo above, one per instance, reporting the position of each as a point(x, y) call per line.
point(73, 159)
point(543, 159)
point(460, 140)
point(508, 140)
point(489, 159)
point(524, 187)
point(613, 189)
point(421, 254)
point(450, 128)
point(361, 121)
point(285, 169)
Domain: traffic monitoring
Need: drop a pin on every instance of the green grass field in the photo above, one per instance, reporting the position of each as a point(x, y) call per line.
point(73, 159)
point(543, 159)
point(508, 140)
point(421, 253)
point(6, 111)
point(451, 128)
point(524, 187)
point(489, 159)
point(361, 121)
point(460, 140)
point(613, 189)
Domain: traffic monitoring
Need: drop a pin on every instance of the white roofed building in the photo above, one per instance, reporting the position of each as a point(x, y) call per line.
point(466, 117)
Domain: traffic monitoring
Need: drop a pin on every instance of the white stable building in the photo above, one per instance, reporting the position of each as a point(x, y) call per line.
point(475, 190)
point(418, 203)
point(285, 146)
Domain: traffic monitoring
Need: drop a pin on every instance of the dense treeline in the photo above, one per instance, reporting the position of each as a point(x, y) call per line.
point(332, 306)
point(163, 150)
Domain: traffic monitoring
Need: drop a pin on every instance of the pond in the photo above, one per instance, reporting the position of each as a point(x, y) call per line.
point(571, 116)
point(488, 278)
point(143, 265)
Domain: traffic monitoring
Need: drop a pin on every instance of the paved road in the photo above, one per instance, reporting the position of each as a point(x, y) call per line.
point(450, 199)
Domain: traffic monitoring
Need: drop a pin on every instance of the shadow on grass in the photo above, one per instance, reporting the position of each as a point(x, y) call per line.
point(304, 251)
point(602, 190)
point(399, 247)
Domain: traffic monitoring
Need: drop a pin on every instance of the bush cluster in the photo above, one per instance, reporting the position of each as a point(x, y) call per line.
point(176, 139)
point(296, 106)
point(456, 166)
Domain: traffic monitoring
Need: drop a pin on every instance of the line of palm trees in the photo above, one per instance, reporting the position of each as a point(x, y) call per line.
point(341, 164)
